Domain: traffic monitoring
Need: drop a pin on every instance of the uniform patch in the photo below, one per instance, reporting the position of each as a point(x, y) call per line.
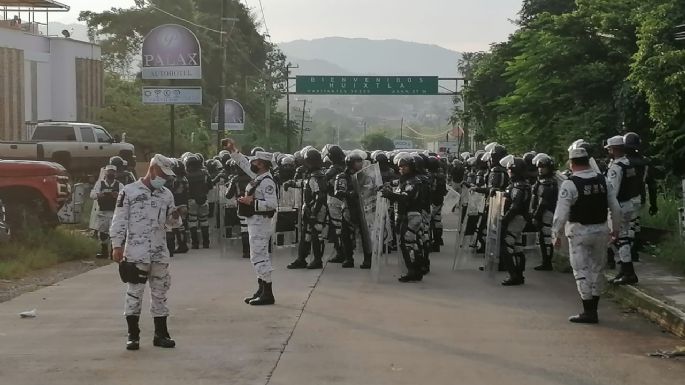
point(269, 189)
point(564, 194)
point(612, 174)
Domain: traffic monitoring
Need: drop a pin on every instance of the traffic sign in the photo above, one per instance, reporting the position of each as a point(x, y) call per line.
point(403, 144)
point(172, 95)
point(367, 85)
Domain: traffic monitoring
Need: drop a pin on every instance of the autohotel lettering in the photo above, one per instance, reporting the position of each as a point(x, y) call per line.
point(180, 60)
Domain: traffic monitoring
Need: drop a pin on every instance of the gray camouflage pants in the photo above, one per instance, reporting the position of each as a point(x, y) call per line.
point(197, 214)
point(587, 254)
point(159, 281)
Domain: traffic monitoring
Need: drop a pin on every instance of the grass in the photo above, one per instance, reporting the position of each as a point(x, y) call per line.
point(669, 251)
point(42, 249)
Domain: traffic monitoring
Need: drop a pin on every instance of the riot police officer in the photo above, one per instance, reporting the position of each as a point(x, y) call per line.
point(626, 184)
point(235, 188)
point(336, 156)
point(313, 212)
point(199, 185)
point(351, 221)
point(514, 220)
point(543, 204)
point(583, 207)
point(406, 196)
point(179, 188)
point(438, 190)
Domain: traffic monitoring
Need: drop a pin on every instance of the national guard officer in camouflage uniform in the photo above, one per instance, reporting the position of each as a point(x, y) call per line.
point(584, 205)
point(344, 190)
point(626, 184)
point(259, 205)
point(543, 204)
point(313, 212)
point(143, 210)
point(438, 191)
point(336, 156)
point(199, 185)
point(124, 176)
point(407, 197)
point(105, 192)
point(515, 217)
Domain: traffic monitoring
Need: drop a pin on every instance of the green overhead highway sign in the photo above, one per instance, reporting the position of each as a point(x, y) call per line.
point(367, 85)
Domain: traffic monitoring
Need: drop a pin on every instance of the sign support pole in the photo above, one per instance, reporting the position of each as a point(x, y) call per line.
point(222, 78)
point(172, 128)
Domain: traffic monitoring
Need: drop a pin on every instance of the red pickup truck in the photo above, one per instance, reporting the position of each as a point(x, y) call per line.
point(32, 192)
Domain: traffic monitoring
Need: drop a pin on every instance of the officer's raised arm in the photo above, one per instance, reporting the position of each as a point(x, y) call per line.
point(119, 227)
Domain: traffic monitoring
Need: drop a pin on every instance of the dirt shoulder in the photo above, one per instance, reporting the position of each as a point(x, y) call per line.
point(10, 288)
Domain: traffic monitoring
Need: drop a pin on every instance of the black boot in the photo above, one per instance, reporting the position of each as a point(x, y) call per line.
point(611, 262)
point(182, 241)
point(162, 338)
point(205, 237)
point(546, 265)
point(133, 342)
point(339, 257)
point(104, 252)
point(349, 263)
point(266, 297)
point(245, 238)
point(515, 271)
point(629, 277)
point(634, 250)
point(366, 263)
point(194, 240)
point(589, 314)
point(438, 237)
point(316, 263)
point(257, 293)
point(317, 250)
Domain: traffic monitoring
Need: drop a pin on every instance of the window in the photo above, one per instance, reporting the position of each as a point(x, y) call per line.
point(55, 133)
point(87, 135)
point(102, 135)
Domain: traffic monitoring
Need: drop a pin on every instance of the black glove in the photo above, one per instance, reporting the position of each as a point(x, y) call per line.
point(129, 273)
point(653, 210)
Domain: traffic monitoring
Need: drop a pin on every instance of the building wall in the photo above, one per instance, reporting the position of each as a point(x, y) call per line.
point(11, 93)
point(60, 79)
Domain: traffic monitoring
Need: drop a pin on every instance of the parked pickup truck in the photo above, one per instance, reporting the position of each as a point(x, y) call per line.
point(82, 148)
point(32, 192)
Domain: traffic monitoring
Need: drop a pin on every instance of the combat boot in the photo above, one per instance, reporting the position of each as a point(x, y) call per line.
point(316, 263)
point(194, 240)
point(205, 237)
point(366, 263)
point(339, 258)
point(182, 241)
point(589, 314)
point(162, 338)
point(546, 259)
point(620, 274)
point(133, 342)
point(515, 271)
point(257, 293)
point(611, 262)
point(629, 277)
point(266, 297)
point(104, 252)
point(245, 238)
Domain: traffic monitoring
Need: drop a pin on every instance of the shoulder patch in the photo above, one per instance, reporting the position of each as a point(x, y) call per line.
point(122, 197)
point(269, 189)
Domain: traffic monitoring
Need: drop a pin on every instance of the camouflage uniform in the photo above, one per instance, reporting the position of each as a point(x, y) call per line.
point(139, 222)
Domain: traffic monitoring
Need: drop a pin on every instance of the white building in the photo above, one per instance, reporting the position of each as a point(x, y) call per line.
point(43, 77)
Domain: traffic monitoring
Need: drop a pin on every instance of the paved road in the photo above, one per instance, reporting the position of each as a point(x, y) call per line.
point(330, 327)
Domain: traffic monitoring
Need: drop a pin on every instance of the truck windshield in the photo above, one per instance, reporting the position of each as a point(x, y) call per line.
point(55, 133)
point(102, 135)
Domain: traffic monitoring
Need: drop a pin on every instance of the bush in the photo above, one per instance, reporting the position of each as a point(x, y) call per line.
point(42, 249)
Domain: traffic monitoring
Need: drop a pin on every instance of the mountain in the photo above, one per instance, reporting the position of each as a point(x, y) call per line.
point(376, 57)
point(316, 67)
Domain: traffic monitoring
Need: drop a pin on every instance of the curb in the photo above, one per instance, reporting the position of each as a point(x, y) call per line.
point(656, 310)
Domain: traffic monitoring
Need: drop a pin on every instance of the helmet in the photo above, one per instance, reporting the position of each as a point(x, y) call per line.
point(632, 141)
point(202, 158)
point(193, 162)
point(255, 150)
point(179, 168)
point(312, 158)
point(490, 146)
point(433, 164)
point(353, 157)
point(224, 156)
point(213, 166)
point(543, 160)
point(528, 158)
point(465, 155)
point(288, 160)
point(116, 161)
point(497, 152)
point(517, 167)
point(230, 166)
point(419, 163)
point(381, 158)
point(405, 159)
point(334, 153)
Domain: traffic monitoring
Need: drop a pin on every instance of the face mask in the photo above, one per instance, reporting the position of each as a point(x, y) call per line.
point(158, 182)
point(254, 168)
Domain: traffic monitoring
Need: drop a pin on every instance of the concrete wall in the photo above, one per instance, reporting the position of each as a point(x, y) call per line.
point(11, 93)
point(50, 78)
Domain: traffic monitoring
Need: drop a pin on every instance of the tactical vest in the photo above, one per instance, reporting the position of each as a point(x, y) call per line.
point(591, 207)
point(631, 182)
point(108, 202)
point(197, 186)
point(523, 193)
point(248, 210)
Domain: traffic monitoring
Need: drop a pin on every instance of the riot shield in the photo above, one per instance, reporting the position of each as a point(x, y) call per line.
point(71, 212)
point(286, 223)
point(493, 233)
point(465, 253)
point(451, 205)
point(93, 221)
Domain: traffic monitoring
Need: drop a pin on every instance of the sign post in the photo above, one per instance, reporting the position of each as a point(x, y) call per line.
point(233, 114)
point(171, 52)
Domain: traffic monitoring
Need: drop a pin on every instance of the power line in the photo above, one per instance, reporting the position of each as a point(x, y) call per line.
point(184, 20)
point(264, 20)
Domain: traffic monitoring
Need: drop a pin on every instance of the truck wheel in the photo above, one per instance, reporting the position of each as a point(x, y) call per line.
point(23, 217)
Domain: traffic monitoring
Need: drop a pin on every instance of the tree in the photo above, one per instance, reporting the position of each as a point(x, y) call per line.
point(378, 141)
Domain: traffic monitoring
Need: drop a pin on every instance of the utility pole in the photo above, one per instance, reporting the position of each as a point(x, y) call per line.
point(222, 75)
point(287, 104)
point(401, 127)
point(304, 112)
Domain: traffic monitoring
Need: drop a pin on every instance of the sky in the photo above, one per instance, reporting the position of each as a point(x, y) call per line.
point(460, 25)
